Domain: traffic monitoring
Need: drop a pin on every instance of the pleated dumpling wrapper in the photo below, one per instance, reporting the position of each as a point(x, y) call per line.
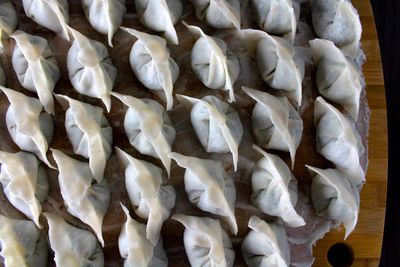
point(89, 132)
point(148, 128)
point(8, 20)
point(29, 126)
point(216, 124)
point(152, 64)
point(149, 193)
point(90, 68)
point(276, 124)
point(51, 14)
point(22, 243)
point(337, 21)
point(105, 16)
point(209, 187)
point(36, 67)
point(334, 197)
point(265, 244)
point(206, 243)
point(160, 16)
point(277, 17)
point(73, 247)
point(83, 196)
point(274, 189)
point(24, 183)
point(279, 65)
point(220, 14)
point(213, 63)
point(339, 141)
point(136, 249)
point(337, 78)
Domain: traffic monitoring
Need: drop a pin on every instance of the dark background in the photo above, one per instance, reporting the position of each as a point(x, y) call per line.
point(387, 18)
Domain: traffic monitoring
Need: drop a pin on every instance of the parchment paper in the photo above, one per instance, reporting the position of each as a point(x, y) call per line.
point(186, 141)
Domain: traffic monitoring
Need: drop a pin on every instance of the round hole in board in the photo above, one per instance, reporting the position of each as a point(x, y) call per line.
point(340, 255)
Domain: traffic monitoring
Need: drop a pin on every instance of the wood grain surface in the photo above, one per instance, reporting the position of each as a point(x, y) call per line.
point(366, 240)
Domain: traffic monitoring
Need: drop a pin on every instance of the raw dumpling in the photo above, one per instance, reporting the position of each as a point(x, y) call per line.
point(209, 187)
point(160, 16)
point(28, 125)
point(148, 128)
point(22, 243)
point(276, 124)
point(213, 63)
point(206, 243)
point(24, 183)
point(277, 17)
point(334, 197)
point(51, 14)
point(275, 189)
point(89, 132)
point(265, 245)
point(36, 67)
point(337, 21)
point(73, 247)
point(148, 193)
point(83, 196)
point(220, 14)
point(151, 62)
point(337, 79)
point(90, 68)
point(217, 125)
point(277, 62)
point(8, 20)
point(105, 16)
point(338, 140)
point(136, 249)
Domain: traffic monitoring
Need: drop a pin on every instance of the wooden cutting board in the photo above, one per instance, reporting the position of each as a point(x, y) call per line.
point(366, 240)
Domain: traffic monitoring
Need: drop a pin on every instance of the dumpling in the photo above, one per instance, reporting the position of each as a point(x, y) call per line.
point(213, 63)
point(36, 67)
point(338, 140)
point(337, 21)
point(206, 243)
point(24, 182)
point(148, 128)
point(148, 193)
point(90, 68)
point(275, 189)
point(337, 79)
point(209, 187)
point(136, 249)
point(8, 20)
point(277, 17)
point(217, 125)
point(276, 124)
point(22, 243)
point(220, 14)
point(277, 62)
point(105, 16)
point(89, 132)
point(51, 14)
point(152, 64)
point(265, 245)
point(73, 247)
point(160, 16)
point(334, 197)
point(84, 197)
point(28, 125)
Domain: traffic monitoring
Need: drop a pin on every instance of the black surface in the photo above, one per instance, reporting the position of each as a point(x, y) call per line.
point(387, 18)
